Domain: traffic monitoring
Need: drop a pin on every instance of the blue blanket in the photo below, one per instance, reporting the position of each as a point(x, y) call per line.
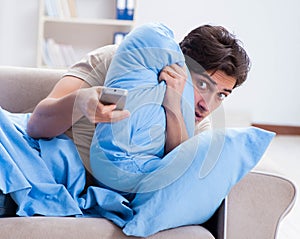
point(47, 177)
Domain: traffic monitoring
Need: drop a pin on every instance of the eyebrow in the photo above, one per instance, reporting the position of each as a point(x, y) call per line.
point(209, 78)
point(213, 82)
point(227, 90)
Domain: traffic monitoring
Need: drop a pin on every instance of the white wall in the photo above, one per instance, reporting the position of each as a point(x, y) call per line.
point(269, 30)
point(18, 32)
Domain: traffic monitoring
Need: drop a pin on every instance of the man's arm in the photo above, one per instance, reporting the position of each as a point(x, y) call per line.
point(70, 99)
point(175, 78)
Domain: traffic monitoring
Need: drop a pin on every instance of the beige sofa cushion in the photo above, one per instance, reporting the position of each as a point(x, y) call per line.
point(79, 228)
point(22, 88)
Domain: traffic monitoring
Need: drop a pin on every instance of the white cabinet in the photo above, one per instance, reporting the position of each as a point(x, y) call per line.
point(62, 36)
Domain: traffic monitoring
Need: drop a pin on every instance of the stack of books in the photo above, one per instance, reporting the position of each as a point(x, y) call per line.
point(58, 55)
point(60, 8)
point(125, 9)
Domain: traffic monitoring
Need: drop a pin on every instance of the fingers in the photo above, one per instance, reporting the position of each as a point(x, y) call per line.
point(107, 113)
point(105, 108)
point(175, 70)
point(98, 89)
point(117, 115)
point(89, 105)
point(175, 77)
point(178, 70)
point(171, 72)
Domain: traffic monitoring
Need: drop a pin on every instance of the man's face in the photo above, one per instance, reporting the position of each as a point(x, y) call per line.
point(209, 91)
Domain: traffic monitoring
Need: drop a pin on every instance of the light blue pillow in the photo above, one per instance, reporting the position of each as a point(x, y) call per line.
point(123, 152)
point(214, 162)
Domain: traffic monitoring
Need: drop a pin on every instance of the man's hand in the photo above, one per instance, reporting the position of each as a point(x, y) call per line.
point(70, 99)
point(175, 78)
point(87, 101)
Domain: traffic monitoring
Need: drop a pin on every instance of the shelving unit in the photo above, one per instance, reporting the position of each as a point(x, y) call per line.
point(84, 33)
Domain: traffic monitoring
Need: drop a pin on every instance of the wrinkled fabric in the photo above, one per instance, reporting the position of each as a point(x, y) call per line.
point(47, 177)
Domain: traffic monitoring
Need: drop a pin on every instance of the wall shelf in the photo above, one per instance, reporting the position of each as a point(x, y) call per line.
point(94, 26)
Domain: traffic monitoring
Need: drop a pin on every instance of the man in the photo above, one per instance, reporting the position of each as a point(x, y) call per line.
point(215, 59)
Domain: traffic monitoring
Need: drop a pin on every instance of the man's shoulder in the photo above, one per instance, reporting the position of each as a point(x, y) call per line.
point(104, 51)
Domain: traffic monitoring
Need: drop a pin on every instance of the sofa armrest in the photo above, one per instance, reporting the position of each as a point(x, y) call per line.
point(257, 204)
point(23, 87)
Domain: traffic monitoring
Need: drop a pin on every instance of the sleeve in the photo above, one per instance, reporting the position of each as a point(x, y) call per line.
point(94, 66)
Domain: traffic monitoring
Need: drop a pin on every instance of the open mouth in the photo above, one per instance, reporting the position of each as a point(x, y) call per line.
point(198, 117)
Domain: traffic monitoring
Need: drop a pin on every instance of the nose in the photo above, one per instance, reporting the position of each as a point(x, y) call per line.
point(202, 106)
point(205, 103)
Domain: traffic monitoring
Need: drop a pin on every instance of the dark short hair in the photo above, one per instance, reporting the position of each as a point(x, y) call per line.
point(213, 48)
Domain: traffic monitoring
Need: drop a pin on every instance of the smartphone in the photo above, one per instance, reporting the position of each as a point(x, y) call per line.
point(115, 96)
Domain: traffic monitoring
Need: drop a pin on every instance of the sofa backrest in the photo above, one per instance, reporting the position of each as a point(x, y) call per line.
point(23, 87)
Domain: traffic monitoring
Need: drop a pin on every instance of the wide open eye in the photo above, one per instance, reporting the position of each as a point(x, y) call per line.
point(221, 96)
point(202, 85)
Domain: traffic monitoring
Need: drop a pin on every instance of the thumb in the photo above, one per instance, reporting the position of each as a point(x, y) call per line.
point(98, 89)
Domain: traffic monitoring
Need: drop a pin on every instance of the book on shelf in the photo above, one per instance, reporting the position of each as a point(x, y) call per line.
point(65, 9)
point(130, 9)
point(50, 9)
point(119, 37)
point(58, 55)
point(125, 9)
point(121, 5)
point(60, 8)
point(73, 8)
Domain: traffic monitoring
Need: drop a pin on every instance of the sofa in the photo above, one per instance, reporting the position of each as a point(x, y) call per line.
point(253, 209)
